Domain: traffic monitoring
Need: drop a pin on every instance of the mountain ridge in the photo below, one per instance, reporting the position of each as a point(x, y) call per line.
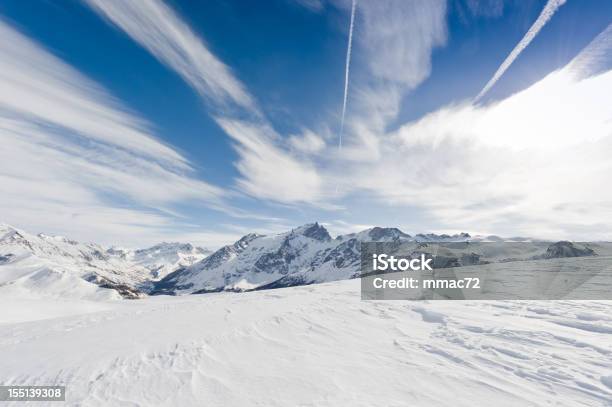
point(307, 254)
point(56, 265)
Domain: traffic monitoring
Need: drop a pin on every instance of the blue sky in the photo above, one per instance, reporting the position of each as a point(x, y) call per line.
point(132, 122)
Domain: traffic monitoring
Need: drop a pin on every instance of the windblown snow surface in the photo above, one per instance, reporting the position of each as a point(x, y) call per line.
point(316, 345)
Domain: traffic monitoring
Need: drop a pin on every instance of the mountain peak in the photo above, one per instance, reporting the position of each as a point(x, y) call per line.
point(313, 231)
point(10, 232)
point(6, 228)
point(378, 234)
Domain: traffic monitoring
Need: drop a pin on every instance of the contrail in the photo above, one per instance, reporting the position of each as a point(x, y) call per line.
point(549, 9)
point(346, 72)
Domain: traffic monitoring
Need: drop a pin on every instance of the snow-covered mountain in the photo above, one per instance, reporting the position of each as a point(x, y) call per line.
point(57, 266)
point(304, 255)
point(163, 258)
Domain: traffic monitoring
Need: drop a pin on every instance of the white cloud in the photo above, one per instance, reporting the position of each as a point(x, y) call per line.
point(531, 164)
point(308, 142)
point(37, 151)
point(36, 85)
point(268, 171)
point(392, 56)
point(399, 36)
point(158, 29)
point(534, 163)
point(75, 161)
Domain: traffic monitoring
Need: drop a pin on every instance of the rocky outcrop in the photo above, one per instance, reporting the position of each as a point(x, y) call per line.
point(566, 249)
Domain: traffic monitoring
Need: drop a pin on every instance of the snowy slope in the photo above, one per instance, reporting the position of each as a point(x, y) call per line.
point(59, 267)
point(317, 345)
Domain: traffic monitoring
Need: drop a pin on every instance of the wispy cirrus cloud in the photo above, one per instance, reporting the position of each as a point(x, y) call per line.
point(394, 43)
point(38, 86)
point(396, 40)
point(503, 166)
point(157, 28)
point(261, 149)
point(400, 36)
point(312, 5)
point(533, 163)
point(269, 170)
point(75, 160)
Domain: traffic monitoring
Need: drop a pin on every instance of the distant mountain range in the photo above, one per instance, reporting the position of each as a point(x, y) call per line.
point(305, 255)
point(56, 266)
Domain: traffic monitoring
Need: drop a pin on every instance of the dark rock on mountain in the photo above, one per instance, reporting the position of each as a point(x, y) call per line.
point(316, 232)
point(6, 258)
point(567, 249)
point(124, 290)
